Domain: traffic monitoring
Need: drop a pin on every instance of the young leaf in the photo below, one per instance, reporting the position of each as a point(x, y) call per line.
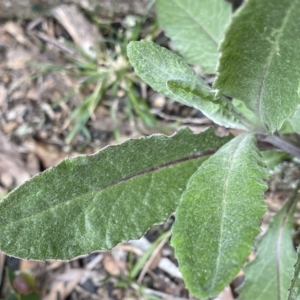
point(94, 202)
point(220, 110)
point(294, 290)
point(269, 275)
point(157, 66)
point(196, 28)
point(260, 61)
point(218, 216)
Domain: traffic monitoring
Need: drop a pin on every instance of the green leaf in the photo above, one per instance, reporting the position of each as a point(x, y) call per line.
point(219, 215)
point(295, 121)
point(260, 61)
point(269, 275)
point(177, 86)
point(220, 110)
point(196, 28)
point(157, 66)
point(273, 157)
point(294, 290)
point(286, 128)
point(93, 202)
point(240, 105)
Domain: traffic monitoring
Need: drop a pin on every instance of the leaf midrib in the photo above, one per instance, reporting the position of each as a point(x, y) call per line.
point(273, 49)
point(150, 170)
point(199, 24)
point(223, 205)
point(170, 76)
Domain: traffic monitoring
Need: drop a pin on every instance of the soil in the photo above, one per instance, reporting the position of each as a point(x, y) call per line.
point(31, 8)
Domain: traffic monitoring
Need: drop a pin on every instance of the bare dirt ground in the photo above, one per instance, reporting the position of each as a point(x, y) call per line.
point(39, 90)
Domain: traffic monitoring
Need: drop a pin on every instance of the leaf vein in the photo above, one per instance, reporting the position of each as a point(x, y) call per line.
point(153, 169)
point(223, 207)
point(197, 22)
point(273, 50)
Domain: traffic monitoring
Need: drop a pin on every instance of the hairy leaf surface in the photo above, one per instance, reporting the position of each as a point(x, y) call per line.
point(294, 291)
point(157, 66)
point(196, 28)
point(260, 61)
point(94, 202)
point(219, 215)
point(269, 275)
point(221, 111)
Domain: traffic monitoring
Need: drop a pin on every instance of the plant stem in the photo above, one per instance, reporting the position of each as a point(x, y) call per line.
point(281, 143)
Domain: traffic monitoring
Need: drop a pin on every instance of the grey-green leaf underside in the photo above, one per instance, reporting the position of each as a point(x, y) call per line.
point(157, 66)
point(294, 291)
point(260, 59)
point(219, 215)
point(94, 202)
point(269, 275)
point(196, 28)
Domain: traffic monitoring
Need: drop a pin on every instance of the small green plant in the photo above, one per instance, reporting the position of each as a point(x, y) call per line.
point(102, 77)
point(213, 184)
